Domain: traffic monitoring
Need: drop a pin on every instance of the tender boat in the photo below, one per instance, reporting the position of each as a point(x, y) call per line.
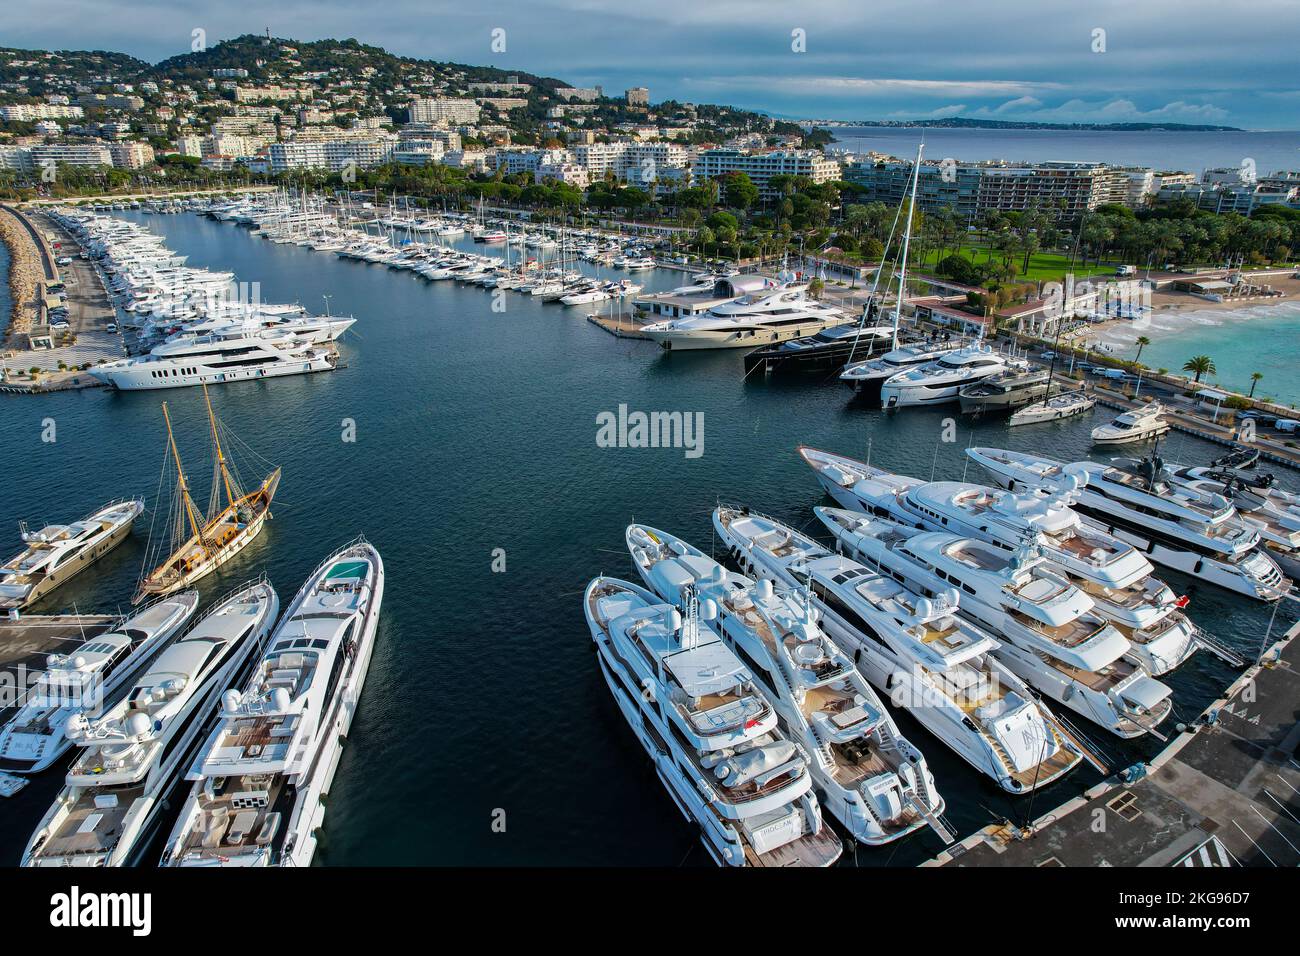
point(120, 781)
point(261, 777)
point(713, 737)
point(87, 679)
point(58, 552)
point(871, 778)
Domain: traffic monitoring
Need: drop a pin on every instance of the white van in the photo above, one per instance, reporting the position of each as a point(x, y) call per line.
point(1286, 425)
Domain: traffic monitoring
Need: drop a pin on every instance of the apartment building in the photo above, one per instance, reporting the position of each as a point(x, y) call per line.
point(29, 112)
point(333, 154)
point(445, 110)
point(71, 154)
point(131, 155)
point(760, 167)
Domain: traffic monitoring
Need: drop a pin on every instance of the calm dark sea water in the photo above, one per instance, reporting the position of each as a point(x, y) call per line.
point(476, 431)
point(1271, 150)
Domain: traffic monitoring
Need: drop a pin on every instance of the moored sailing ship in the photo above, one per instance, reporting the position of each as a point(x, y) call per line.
point(202, 541)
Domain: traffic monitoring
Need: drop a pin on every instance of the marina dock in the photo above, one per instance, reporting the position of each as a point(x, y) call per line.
point(27, 642)
point(1225, 791)
point(621, 327)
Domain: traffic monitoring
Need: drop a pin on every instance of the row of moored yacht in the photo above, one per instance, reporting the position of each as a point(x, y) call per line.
point(759, 690)
point(250, 712)
point(191, 328)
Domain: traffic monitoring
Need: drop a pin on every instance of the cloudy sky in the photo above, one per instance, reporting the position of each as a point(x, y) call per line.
point(1190, 61)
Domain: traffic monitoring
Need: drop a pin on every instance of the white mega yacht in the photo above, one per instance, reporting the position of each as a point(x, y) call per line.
point(1135, 501)
point(713, 737)
point(129, 758)
point(871, 778)
point(1115, 574)
point(58, 552)
point(261, 776)
point(230, 355)
point(760, 318)
point(940, 381)
point(930, 662)
point(1054, 639)
point(86, 679)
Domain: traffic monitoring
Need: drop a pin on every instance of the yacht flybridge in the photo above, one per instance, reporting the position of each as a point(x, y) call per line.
point(261, 776)
point(760, 318)
point(929, 661)
point(713, 737)
point(1054, 639)
point(1115, 574)
point(119, 782)
point(1137, 503)
point(198, 542)
point(57, 552)
point(86, 679)
point(868, 775)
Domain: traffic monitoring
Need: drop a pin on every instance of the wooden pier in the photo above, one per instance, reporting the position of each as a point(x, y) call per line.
point(621, 327)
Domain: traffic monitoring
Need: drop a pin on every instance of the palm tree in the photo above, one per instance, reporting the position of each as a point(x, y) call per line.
point(1254, 380)
point(1142, 342)
point(1200, 365)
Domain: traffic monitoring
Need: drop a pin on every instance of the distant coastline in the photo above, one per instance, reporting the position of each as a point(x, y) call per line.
point(958, 122)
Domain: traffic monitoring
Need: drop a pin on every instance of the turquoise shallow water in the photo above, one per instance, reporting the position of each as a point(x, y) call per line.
point(476, 431)
point(1241, 341)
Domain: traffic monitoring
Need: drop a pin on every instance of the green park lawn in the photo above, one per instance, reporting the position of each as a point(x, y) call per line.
point(1043, 266)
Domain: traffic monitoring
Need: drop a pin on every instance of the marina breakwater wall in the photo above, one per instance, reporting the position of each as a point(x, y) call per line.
point(26, 272)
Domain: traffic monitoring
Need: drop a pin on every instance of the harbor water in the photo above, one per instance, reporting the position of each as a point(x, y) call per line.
point(463, 443)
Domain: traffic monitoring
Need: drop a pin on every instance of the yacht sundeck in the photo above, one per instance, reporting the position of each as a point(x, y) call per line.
point(261, 776)
point(87, 679)
point(713, 737)
point(129, 758)
point(58, 552)
point(928, 660)
point(870, 777)
point(1136, 502)
point(1054, 639)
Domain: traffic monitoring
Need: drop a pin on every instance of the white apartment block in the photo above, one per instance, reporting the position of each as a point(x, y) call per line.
point(131, 155)
point(28, 112)
point(581, 94)
point(760, 167)
point(334, 155)
point(443, 110)
point(71, 154)
point(565, 172)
